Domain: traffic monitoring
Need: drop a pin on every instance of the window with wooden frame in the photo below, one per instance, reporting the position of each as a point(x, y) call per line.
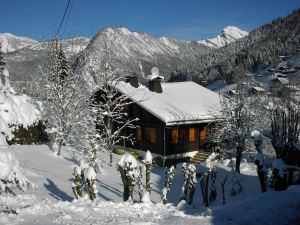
point(191, 134)
point(139, 133)
point(175, 135)
point(203, 134)
point(150, 134)
point(153, 135)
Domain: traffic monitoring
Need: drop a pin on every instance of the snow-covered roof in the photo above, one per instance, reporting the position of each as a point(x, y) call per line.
point(282, 80)
point(259, 89)
point(179, 103)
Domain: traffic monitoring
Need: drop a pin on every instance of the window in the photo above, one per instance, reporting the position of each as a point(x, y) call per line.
point(153, 135)
point(139, 133)
point(191, 134)
point(150, 135)
point(174, 135)
point(179, 136)
point(203, 134)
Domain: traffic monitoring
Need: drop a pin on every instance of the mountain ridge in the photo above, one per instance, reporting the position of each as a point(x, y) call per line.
point(11, 42)
point(229, 34)
point(137, 52)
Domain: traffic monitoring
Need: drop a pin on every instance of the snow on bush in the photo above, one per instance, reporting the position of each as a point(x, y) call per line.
point(14, 109)
point(128, 168)
point(169, 177)
point(148, 163)
point(256, 135)
point(148, 157)
point(11, 175)
point(84, 179)
point(127, 161)
point(189, 183)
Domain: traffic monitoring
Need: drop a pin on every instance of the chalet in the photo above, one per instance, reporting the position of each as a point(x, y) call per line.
point(174, 118)
point(278, 83)
point(257, 90)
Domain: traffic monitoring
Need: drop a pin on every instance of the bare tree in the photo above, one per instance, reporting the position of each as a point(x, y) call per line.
point(110, 104)
point(285, 130)
point(238, 119)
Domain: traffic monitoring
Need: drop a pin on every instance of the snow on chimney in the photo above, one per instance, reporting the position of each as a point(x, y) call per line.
point(155, 80)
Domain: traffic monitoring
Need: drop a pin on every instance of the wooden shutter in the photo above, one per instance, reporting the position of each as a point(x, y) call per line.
point(175, 136)
point(153, 135)
point(139, 133)
point(191, 134)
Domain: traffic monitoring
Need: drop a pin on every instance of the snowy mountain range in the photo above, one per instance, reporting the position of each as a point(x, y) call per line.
point(138, 52)
point(229, 34)
point(131, 51)
point(12, 43)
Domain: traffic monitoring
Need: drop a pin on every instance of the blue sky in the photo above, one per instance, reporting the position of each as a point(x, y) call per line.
point(183, 19)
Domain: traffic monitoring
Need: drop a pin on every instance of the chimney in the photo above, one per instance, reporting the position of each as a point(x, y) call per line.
point(132, 80)
point(155, 85)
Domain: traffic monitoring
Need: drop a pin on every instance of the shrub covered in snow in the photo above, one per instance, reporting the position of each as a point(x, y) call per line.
point(84, 178)
point(148, 164)
point(260, 160)
point(169, 177)
point(128, 168)
point(189, 183)
point(11, 175)
point(15, 109)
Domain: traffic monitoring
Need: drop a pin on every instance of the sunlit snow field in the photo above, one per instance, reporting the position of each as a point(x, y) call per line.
point(53, 201)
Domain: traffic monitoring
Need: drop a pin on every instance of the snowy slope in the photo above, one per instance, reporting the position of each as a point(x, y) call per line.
point(52, 202)
point(229, 34)
point(12, 43)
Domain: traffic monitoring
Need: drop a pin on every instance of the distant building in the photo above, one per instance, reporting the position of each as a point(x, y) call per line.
point(257, 90)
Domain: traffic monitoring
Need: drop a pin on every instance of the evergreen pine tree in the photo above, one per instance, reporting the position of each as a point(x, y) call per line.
point(2, 61)
point(64, 68)
point(65, 107)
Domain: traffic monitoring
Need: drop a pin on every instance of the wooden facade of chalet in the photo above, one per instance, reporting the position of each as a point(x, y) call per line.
point(154, 135)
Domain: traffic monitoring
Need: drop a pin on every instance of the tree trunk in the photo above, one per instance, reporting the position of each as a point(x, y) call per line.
point(110, 158)
point(238, 158)
point(223, 189)
point(279, 183)
point(130, 187)
point(262, 178)
point(124, 181)
point(59, 147)
point(206, 190)
point(148, 180)
point(140, 183)
point(192, 192)
point(290, 174)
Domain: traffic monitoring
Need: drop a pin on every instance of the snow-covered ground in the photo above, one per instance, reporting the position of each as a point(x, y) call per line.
point(53, 201)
